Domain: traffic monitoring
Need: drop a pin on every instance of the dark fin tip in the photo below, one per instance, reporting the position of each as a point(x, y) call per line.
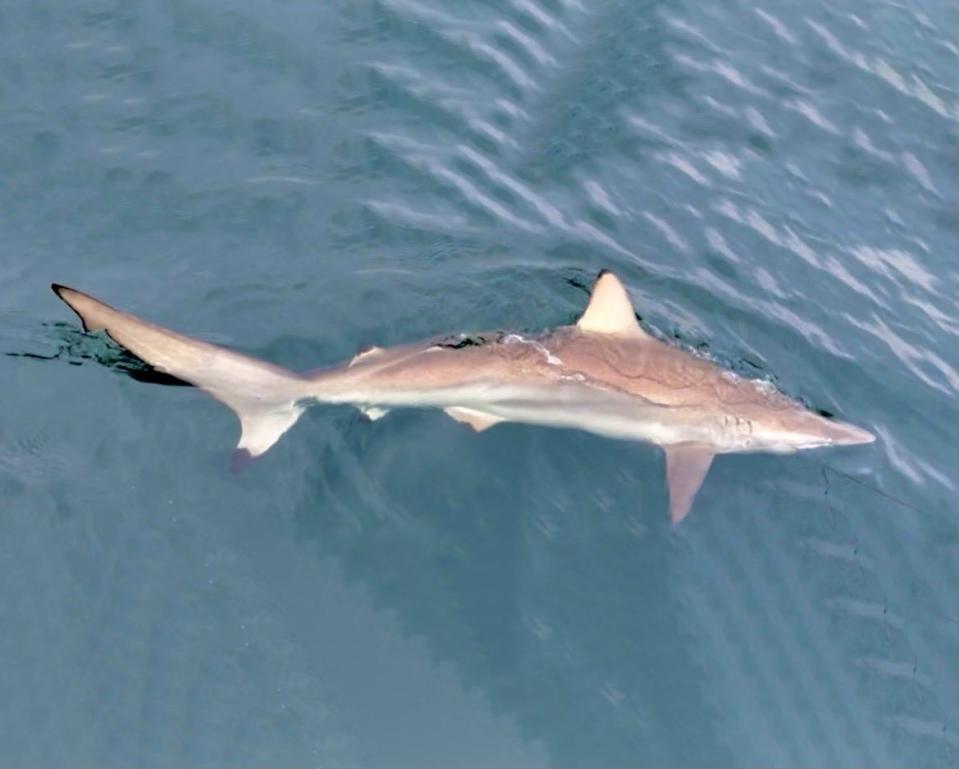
point(241, 460)
point(602, 272)
point(58, 289)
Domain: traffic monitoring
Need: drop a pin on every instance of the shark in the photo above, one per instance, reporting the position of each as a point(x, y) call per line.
point(604, 374)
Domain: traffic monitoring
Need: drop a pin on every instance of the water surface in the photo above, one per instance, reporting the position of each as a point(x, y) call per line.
point(776, 184)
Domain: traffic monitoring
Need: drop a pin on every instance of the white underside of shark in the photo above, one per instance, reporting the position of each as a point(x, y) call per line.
point(604, 375)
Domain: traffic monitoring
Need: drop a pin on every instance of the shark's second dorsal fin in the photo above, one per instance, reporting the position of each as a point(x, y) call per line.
point(609, 310)
point(368, 351)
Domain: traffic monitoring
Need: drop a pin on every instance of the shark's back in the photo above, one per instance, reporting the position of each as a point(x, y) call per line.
point(661, 373)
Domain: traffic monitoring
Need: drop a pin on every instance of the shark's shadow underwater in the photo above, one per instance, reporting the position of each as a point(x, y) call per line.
point(76, 347)
point(604, 374)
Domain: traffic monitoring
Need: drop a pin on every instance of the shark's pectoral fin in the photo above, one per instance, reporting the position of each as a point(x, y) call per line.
point(686, 466)
point(478, 420)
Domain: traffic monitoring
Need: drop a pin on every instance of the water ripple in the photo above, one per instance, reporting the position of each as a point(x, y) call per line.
point(883, 70)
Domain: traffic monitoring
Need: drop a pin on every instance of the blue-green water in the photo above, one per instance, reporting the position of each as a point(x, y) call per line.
point(775, 181)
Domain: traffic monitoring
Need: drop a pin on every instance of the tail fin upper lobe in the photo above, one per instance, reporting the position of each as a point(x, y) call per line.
point(264, 397)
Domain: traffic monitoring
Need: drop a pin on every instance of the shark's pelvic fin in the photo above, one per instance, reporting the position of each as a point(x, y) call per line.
point(686, 466)
point(372, 413)
point(266, 398)
point(478, 420)
point(609, 310)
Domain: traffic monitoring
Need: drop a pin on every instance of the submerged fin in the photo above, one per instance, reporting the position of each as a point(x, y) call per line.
point(478, 420)
point(686, 466)
point(609, 310)
point(264, 397)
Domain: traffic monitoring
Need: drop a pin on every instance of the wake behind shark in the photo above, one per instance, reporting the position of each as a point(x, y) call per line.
point(604, 375)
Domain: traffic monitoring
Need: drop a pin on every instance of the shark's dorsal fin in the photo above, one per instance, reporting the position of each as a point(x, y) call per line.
point(686, 466)
point(609, 310)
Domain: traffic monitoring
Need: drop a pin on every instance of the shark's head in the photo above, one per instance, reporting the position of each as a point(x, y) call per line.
point(802, 429)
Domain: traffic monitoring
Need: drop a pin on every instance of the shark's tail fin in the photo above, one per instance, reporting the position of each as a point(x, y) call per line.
point(264, 397)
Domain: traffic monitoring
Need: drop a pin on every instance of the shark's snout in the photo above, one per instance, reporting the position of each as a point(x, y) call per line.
point(806, 430)
point(842, 433)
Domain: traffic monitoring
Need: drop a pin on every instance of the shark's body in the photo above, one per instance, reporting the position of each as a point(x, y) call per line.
point(604, 375)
